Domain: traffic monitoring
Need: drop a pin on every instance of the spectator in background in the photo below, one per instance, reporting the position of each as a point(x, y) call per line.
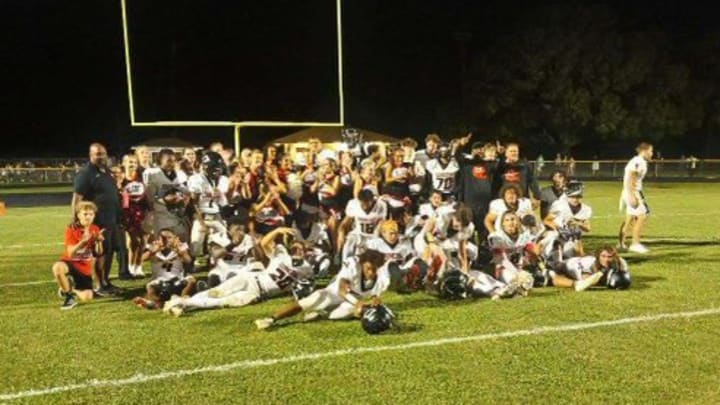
point(595, 166)
point(228, 156)
point(95, 183)
point(216, 147)
point(190, 155)
point(168, 197)
point(571, 167)
point(558, 161)
point(692, 165)
point(246, 157)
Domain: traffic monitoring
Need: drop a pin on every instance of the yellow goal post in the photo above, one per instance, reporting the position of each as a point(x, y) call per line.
point(236, 125)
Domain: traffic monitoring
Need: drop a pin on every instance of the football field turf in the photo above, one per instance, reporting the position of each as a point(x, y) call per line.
point(658, 342)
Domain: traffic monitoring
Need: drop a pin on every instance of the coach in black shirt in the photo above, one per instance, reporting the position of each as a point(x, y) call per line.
point(475, 184)
point(95, 183)
point(512, 170)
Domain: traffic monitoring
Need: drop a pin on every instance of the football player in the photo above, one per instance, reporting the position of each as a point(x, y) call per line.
point(511, 199)
point(605, 268)
point(362, 214)
point(168, 256)
point(360, 283)
point(633, 199)
point(209, 193)
point(282, 272)
point(83, 243)
point(443, 170)
point(513, 249)
point(232, 252)
point(567, 220)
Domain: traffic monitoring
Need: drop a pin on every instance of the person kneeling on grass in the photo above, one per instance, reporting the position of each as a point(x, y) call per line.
point(168, 256)
point(83, 243)
point(361, 277)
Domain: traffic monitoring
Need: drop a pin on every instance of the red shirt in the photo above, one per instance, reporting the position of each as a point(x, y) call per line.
point(83, 258)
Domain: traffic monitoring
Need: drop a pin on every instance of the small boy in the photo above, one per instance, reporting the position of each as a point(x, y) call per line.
point(83, 243)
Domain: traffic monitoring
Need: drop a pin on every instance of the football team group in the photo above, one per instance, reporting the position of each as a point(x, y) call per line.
point(336, 228)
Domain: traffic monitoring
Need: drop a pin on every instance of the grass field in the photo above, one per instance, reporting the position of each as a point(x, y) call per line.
point(551, 347)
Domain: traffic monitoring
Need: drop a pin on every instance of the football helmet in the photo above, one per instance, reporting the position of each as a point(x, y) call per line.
point(376, 319)
point(351, 137)
point(212, 164)
point(454, 285)
point(618, 280)
point(302, 288)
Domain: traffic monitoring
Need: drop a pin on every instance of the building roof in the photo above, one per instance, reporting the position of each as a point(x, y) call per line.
point(330, 135)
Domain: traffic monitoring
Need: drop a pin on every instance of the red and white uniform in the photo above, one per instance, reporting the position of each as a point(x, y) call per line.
point(329, 299)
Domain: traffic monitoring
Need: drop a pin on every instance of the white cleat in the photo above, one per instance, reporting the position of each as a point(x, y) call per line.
point(638, 248)
point(312, 316)
point(177, 311)
point(585, 283)
point(264, 323)
point(172, 302)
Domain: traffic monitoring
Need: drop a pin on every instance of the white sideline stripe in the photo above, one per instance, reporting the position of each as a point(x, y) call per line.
point(27, 245)
point(249, 364)
point(26, 283)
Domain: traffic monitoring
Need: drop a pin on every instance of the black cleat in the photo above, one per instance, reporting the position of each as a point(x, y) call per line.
point(70, 302)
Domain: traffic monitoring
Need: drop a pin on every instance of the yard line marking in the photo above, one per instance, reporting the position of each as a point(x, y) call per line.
point(249, 364)
point(27, 245)
point(26, 283)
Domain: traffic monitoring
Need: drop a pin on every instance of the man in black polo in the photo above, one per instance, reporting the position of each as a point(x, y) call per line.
point(95, 183)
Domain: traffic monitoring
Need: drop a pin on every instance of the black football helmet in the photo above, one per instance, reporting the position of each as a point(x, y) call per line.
point(213, 164)
point(618, 280)
point(574, 188)
point(302, 288)
point(352, 137)
point(376, 319)
point(454, 285)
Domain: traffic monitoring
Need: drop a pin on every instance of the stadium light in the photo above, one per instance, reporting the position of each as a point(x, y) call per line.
point(236, 125)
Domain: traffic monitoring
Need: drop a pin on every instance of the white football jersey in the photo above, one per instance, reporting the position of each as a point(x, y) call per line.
point(585, 264)
point(366, 222)
point(351, 271)
point(167, 266)
point(200, 185)
point(498, 207)
point(638, 164)
point(563, 213)
point(318, 234)
point(450, 241)
point(501, 244)
point(283, 273)
point(236, 255)
point(400, 253)
point(443, 177)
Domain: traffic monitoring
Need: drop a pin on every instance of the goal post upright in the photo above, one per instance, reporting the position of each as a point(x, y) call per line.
point(233, 124)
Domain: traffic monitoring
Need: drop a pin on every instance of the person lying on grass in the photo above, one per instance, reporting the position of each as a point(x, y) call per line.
point(168, 256)
point(360, 282)
point(83, 243)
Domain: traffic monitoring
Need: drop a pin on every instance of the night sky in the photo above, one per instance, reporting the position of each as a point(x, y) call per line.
point(63, 78)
